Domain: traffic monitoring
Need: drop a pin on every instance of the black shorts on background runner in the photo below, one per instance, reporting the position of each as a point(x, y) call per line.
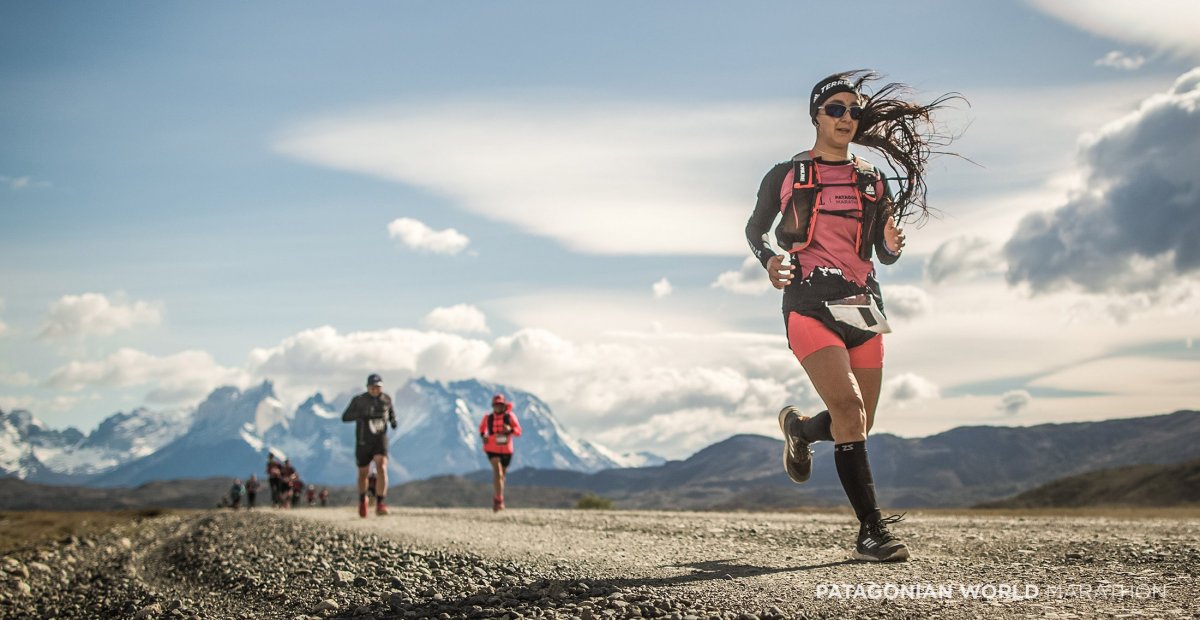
point(366, 452)
point(505, 459)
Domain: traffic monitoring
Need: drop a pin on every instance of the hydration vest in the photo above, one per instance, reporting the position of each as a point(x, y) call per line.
point(799, 214)
point(491, 425)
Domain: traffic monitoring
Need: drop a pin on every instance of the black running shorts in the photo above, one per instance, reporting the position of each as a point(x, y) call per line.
point(505, 459)
point(366, 452)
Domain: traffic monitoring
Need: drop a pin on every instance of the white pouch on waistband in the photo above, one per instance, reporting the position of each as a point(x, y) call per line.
point(859, 311)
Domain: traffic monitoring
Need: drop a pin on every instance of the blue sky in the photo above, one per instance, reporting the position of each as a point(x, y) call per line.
point(552, 195)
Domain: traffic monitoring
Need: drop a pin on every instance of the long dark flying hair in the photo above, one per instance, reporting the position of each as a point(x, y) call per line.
point(904, 132)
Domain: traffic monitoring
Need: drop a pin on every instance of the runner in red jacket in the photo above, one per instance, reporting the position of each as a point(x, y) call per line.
point(497, 430)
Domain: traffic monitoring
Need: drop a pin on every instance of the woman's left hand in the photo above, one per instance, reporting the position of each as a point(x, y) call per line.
point(893, 236)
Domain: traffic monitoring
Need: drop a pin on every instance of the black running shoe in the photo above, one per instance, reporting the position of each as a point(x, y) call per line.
point(877, 544)
point(797, 456)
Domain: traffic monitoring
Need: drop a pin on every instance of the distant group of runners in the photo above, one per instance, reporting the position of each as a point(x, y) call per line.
point(287, 489)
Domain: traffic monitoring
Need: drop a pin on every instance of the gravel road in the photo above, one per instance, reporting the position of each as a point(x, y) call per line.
point(592, 565)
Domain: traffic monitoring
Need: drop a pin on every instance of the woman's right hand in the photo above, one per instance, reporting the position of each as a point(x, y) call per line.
point(780, 274)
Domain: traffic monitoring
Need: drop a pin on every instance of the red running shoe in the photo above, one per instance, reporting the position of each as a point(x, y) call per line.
point(362, 507)
point(380, 507)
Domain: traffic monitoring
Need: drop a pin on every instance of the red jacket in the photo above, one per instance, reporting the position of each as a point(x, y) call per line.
point(492, 440)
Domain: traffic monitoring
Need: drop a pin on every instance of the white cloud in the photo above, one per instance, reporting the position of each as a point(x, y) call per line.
point(175, 378)
point(460, 318)
point(904, 301)
point(93, 314)
point(324, 360)
point(963, 257)
point(908, 387)
point(1118, 60)
point(750, 279)
point(1168, 25)
point(1132, 227)
point(1013, 401)
point(598, 177)
point(662, 288)
point(3, 325)
point(417, 236)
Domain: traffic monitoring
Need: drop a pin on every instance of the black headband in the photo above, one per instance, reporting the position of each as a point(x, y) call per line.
point(825, 89)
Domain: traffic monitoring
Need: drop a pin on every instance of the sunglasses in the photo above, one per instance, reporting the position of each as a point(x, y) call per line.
point(836, 110)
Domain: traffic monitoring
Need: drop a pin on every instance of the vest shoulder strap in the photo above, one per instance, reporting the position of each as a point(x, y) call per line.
point(868, 177)
point(803, 174)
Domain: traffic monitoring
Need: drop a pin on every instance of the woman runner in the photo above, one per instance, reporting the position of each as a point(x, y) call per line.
point(834, 210)
point(497, 430)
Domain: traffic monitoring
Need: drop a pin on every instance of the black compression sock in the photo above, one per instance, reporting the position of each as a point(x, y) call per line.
point(855, 473)
point(817, 428)
point(362, 496)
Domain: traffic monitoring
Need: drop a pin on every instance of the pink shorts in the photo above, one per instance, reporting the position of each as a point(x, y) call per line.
point(806, 335)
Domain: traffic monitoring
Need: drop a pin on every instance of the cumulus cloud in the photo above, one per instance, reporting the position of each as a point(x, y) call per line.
point(578, 172)
point(1134, 225)
point(1118, 60)
point(322, 359)
point(1012, 402)
point(662, 288)
point(176, 378)
point(962, 258)
point(626, 381)
point(908, 387)
point(415, 235)
point(93, 314)
point(460, 318)
point(750, 279)
point(905, 301)
point(1168, 25)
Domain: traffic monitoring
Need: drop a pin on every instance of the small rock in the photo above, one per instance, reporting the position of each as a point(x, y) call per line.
point(326, 605)
point(125, 543)
point(38, 567)
point(342, 577)
point(23, 588)
point(13, 566)
point(152, 609)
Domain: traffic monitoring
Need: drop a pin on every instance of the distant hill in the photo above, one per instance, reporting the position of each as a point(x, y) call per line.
point(1134, 485)
point(960, 467)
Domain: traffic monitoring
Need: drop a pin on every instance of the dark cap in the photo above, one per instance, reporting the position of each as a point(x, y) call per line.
point(498, 399)
point(827, 88)
point(374, 380)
